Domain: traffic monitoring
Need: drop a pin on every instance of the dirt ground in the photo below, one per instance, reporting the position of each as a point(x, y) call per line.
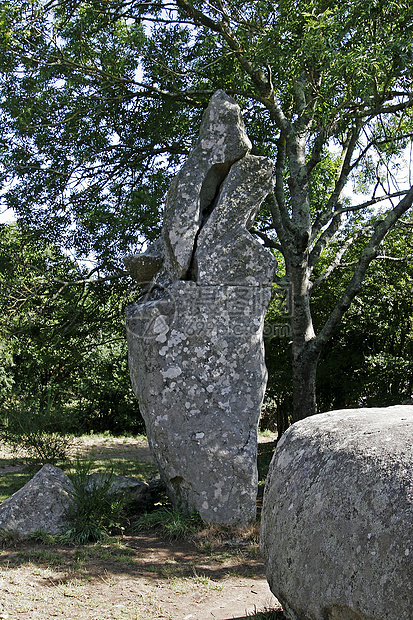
point(139, 577)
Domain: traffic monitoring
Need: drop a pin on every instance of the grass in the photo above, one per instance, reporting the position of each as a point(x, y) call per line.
point(10, 482)
point(170, 521)
point(42, 537)
point(183, 585)
point(167, 520)
point(41, 556)
point(124, 577)
point(268, 434)
point(8, 538)
point(132, 468)
point(115, 553)
point(95, 510)
point(267, 614)
point(265, 454)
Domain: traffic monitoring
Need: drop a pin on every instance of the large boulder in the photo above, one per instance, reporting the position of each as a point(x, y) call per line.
point(337, 518)
point(195, 339)
point(40, 505)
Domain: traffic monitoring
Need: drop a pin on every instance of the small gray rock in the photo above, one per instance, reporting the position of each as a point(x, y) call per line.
point(134, 489)
point(40, 505)
point(337, 517)
point(143, 267)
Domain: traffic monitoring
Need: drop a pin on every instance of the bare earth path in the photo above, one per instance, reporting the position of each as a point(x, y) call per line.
point(140, 577)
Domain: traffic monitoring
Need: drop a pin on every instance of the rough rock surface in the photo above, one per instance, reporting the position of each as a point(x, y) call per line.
point(195, 342)
point(136, 490)
point(229, 254)
point(337, 519)
point(143, 267)
point(222, 141)
point(40, 505)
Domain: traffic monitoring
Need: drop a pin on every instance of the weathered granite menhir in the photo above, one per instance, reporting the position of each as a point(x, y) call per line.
point(195, 336)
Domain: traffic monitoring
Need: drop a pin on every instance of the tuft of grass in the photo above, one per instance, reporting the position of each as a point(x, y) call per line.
point(206, 582)
point(96, 511)
point(116, 552)
point(43, 556)
point(215, 535)
point(8, 538)
point(40, 536)
point(170, 521)
point(267, 614)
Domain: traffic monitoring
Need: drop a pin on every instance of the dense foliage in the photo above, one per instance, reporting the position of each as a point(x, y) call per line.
point(63, 332)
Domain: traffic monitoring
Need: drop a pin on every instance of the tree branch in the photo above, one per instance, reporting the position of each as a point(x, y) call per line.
point(391, 109)
point(371, 202)
point(329, 212)
point(257, 76)
point(336, 261)
point(369, 253)
point(269, 243)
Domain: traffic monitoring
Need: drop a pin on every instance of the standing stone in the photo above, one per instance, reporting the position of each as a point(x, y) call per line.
point(337, 517)
point(195, 341)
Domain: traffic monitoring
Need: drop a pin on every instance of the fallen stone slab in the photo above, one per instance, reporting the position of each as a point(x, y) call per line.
point(337, 517)
point(40, 505)
point(136, 490)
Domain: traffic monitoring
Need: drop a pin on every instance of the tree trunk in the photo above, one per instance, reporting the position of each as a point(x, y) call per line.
point(304, 368)
point(282, 417)
point(304, 353)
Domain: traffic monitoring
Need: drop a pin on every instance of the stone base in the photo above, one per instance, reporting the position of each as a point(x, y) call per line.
point(197, 367)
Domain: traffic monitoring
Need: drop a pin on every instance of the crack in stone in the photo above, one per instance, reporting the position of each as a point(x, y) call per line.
point(208, 198)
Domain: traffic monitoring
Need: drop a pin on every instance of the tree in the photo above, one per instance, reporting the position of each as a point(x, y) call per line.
point(63, 331)
point(101, 100)
point(369, 360)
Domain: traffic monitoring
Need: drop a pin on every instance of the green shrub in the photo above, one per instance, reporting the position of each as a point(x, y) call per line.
point(37, 429)
point(95, 511)
point(40, 536)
